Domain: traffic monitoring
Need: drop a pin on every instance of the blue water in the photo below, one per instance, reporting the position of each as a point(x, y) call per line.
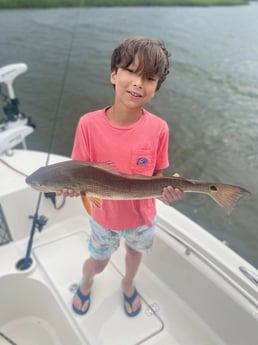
point(210, 99)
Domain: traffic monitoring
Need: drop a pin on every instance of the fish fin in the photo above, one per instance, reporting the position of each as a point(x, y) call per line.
point(111, 167)
point(87, 204)
point(108, 166)
point(227, 196)
point(96, 201)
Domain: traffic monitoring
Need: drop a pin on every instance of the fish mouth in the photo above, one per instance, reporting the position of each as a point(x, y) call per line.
point(28, 180)
point(32, 183)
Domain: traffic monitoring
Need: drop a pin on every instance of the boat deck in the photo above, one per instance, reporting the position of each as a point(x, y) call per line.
point(59, 253)
point(164, 318)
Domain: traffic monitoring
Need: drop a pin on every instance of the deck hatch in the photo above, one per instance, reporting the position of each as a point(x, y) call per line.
point(61, 261)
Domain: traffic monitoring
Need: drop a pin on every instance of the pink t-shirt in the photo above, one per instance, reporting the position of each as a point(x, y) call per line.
point(140, 148)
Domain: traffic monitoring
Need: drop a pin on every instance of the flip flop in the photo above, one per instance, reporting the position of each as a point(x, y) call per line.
point(83, 299)
point(130, 301)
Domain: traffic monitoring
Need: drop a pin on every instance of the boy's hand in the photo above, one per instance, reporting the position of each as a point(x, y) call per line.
point(67, 192)
point(171, 194)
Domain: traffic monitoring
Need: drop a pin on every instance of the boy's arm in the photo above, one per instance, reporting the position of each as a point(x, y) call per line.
point(170, 194)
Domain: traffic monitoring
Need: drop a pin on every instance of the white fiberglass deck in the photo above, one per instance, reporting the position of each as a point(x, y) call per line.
point(106, 321)
point(27, 330)
point(33, 309)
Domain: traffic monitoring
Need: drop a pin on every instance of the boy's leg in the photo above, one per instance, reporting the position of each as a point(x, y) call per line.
point(91, 267)
point(138, 241)
point(102, 243)
point(132, 263)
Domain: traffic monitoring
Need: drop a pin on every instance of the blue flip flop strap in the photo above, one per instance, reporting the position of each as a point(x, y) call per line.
point(131, 299)
point(83, 297)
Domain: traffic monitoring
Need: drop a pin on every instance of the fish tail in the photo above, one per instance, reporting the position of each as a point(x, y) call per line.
point(227, 196)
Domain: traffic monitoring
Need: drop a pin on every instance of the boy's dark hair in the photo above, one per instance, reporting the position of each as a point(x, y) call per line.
point(151, 53)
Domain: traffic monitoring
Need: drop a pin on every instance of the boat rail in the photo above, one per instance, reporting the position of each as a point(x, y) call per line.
point(215, 266)
point(249, 274)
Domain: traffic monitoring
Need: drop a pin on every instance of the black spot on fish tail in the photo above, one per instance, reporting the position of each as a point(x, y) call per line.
point(213, 188)
point(227, 196)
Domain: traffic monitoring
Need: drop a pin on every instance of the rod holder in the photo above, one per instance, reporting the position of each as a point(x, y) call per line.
point(37, 224)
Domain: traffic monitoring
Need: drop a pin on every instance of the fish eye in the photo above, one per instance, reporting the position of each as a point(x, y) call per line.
point(213, 188)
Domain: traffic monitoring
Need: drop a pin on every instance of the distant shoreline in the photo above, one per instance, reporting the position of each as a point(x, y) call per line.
point(12, 4)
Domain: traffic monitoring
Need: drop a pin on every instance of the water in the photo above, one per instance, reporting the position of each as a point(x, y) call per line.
point(210, 99)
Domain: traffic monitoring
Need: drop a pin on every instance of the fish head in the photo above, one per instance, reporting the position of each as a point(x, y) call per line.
point(43, 180)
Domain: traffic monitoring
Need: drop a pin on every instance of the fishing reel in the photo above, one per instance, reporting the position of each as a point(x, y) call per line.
point(39, 222)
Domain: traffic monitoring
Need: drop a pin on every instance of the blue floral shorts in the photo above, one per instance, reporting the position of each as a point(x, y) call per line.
point(104, 242)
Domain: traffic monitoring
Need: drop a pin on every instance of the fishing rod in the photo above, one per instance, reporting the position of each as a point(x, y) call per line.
point(38, 222)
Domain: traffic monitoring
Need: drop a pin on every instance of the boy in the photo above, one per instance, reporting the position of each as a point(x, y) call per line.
point(136, 141)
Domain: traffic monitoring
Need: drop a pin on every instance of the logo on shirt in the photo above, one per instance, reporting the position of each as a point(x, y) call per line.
point(142, 161)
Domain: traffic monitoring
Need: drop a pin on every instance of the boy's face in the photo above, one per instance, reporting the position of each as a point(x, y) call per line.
point(132, 89)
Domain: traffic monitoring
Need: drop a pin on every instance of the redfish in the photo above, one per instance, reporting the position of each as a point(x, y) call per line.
point(102, 181)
